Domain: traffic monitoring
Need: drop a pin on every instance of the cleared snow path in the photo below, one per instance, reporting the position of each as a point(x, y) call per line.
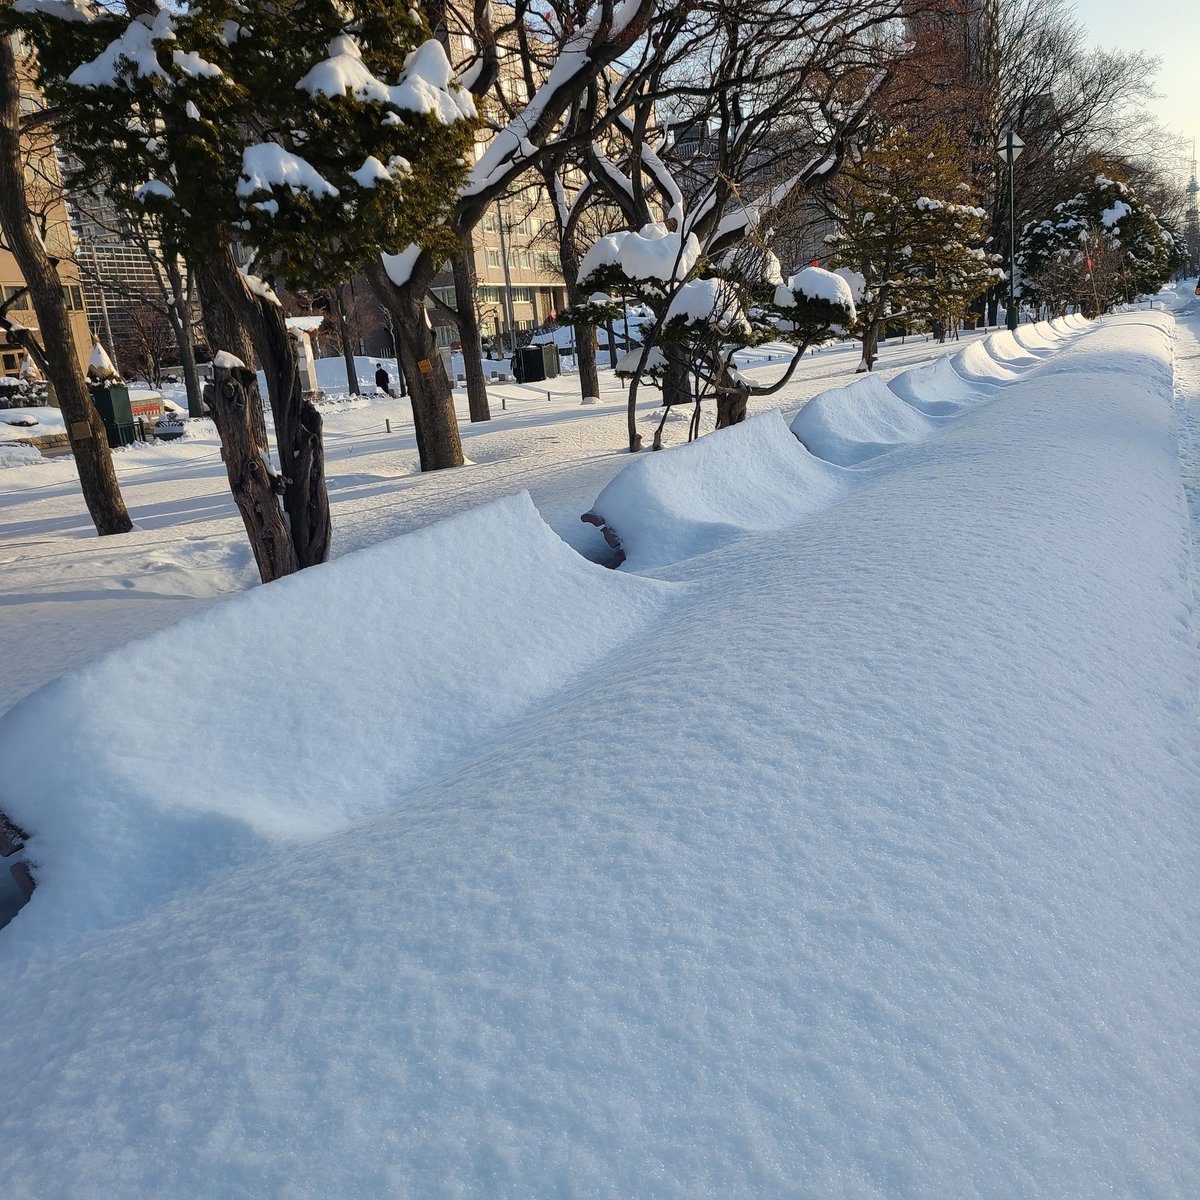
point(866, 868)
point(1187, 404)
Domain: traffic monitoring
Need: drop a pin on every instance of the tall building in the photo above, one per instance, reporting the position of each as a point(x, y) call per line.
point(122, 270)
point(517, 268)
point(44, 186)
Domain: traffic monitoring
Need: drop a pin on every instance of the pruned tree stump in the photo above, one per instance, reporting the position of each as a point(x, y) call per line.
point(610, 534)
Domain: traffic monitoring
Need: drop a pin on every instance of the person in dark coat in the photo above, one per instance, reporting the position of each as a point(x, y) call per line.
point(382, 379)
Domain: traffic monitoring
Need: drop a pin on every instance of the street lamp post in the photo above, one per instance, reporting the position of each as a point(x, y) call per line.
point(1010, 149)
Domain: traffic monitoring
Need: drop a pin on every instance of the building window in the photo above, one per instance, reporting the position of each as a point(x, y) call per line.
point(493, 258)
point(489, 222)
point(73, 294)
point(11, 364)
point(19, 305)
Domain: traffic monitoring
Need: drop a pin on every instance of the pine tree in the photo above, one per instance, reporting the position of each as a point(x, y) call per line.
point(1101, 246)
point(905, 222)
point(699, 316)
point(318, 135)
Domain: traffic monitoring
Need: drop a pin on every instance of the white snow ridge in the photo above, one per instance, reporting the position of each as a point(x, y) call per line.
point(840, 844)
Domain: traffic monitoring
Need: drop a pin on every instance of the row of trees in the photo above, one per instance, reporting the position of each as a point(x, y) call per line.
point(369, 137)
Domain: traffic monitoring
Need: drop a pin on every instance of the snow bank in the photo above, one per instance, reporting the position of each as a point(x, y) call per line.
point(1038, 339)
point(866, 870)
point(1005, 348)
point(974, 363)
point(848, 425)
point(20, 424)
point(15, 455)
point(1139, 343)
point(938, 390)
point(690, 499)
point(308, 706)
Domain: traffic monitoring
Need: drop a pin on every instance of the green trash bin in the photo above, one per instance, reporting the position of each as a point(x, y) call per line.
point(112, 403)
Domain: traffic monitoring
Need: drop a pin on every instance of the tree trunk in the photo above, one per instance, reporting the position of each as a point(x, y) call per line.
point(339, 303)
point(733, 396)
point(297, 422)
point(585, 359)
point(298, 429)
point(870, 345)
point(255, 488)
point(585, 335)
point(677, 379)
point(468, 334)
point(181, 323)
point(430, 393)
point(993, 309)
point(731, 407)
point(224, 330)
point(89, 443)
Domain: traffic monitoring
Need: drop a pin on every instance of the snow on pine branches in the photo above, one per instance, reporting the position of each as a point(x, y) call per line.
point(1102, 245)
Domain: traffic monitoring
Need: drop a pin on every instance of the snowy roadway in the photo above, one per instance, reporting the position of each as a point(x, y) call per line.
point(845, 847)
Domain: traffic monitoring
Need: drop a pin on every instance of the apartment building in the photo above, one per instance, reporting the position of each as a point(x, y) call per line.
point(44, 185)
point(519, 278)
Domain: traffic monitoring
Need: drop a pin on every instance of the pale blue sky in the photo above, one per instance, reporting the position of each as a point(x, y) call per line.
point(1169, 29)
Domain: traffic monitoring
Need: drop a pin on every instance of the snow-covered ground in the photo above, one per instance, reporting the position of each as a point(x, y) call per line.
point(841, 843)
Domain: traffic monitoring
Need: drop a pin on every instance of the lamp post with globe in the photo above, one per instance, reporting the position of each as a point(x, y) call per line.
point(1010, 148)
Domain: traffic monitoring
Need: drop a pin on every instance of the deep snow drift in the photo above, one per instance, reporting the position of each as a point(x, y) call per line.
point(854, 857)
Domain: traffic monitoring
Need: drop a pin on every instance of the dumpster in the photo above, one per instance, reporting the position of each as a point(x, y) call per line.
point(112, 403)
point(533, 363)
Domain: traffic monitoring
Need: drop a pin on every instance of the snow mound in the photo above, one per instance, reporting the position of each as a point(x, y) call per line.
point(938, 390)
point(352, 682)
point(848, 425)
point(867, 870)
point(13, 454)
point(1139, 344)
point(1005, 348)
point(1037, 339)
point(974, 363)
point(688, 500)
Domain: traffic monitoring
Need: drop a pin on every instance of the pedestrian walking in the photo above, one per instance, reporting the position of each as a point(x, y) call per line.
point(383, 381)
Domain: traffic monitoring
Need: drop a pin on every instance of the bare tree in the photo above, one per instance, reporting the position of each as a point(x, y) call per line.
point(765, 101)
point(583, 41)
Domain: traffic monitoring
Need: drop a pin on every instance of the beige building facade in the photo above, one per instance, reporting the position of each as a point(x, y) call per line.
point(44, 186)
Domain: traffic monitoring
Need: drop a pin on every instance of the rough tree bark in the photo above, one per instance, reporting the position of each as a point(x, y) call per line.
point(179, 312)
point(89, 443)
point(255, 488)
point(339, 304)
point(438, 442)
point(297, 422)
point(585, 335)
point(224, 331)
point(468, 334)
point(870, 346)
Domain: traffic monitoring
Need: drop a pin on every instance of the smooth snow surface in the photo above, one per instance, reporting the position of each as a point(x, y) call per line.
point(856, 856)
point(976, 362)
point(938, 389)
point(851, 424)
point(313, 733)
point(690, 499)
